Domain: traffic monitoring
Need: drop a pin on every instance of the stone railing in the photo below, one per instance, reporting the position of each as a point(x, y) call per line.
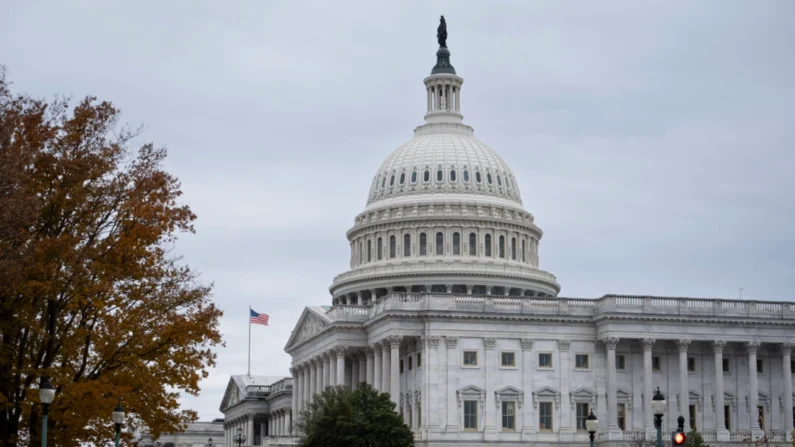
point(575, 307)
point(281, 440)
point(467, 267)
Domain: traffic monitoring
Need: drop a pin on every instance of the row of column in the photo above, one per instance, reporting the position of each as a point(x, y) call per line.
point(280, 423)
point(444, 96)
point(751, 348)
point(349, 366)
point(245, 424)
point(367, 297)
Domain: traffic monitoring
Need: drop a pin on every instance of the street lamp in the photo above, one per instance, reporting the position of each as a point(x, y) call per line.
point(658, 407)
point(591, 424)
point(239, 438)
point(46, 396)
point(209, 443)
point(118, 419)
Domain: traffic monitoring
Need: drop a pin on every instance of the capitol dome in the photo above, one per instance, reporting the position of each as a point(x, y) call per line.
point(444, 215)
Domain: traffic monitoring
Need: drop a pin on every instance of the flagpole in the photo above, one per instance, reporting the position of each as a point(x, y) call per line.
point(249, 341)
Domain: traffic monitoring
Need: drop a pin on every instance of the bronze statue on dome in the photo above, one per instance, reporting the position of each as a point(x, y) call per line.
point(441, 33)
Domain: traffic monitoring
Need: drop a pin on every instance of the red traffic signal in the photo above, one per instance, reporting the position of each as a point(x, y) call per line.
point(679, 438)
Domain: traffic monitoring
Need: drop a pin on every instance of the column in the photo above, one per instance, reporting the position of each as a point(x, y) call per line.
point(613, 432)
point(369, 366)
point(294, 405)
point(684, 389)
point(327, 361)
point(312, 378)
point(394, 380)
point(565, 408)
point(752, 347)
point(490, 370)
point(332, 374)
point(362, 367)
point(720, 423)
point(306, 386)
point(451, 373)
point(385, 368)
point(433, 414)
point(786, 356)
point(250, 423)
point(340, 351)
point(648, 418)
point(355, 371)
point(377, 364)
point(527, 385)
point(321, 373)
point(289, 431)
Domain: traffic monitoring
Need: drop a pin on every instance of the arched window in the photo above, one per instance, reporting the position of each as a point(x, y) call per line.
point(383, 182)
point(392, 180)
point(439, 243)
point(502, 246)
point(524, 257)
point(466, 175)
point(406, 245)
point(392, 247)
point(427, 176)
point(380, 248)
point(414, 177)
point(369, 250)
point(488, 177)
point(456, 243)
point(452, 175)
point(499, 180)
point(439, 175)
point(513, 248)
point(423, 244)
point(478, 178)
point(488, 245)
point(473, 244)
point(402, 178)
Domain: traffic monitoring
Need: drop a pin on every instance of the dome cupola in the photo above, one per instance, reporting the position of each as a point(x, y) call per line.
point(444, 213)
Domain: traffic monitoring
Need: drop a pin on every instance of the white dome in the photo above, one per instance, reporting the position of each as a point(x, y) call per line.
point(444, 161)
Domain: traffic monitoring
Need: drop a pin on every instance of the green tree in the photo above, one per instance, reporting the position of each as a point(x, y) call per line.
point(694, 439)
point(339, 417)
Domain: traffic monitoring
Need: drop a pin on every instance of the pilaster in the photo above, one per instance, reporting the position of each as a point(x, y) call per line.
point(451, 343)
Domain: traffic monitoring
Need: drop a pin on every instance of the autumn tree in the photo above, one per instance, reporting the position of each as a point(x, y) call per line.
point(341, 417)
point(91, 294)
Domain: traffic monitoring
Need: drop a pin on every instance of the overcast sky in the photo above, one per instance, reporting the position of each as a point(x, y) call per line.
point(653, 141)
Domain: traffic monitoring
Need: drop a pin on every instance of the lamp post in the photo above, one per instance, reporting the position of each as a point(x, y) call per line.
point(591, 424)
point(658, 407)
point(239, 438)
point(118, 419)
point(209, 443)
point(46, 396)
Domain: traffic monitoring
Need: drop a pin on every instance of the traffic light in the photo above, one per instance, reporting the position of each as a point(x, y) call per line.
point(679, 437)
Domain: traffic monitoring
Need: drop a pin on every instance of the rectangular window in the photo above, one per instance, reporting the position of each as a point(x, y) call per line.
point(656, 364)
point(470, 358)
point(508, 359)
point(545, 360)
point(471, 415)
point(545, 416)
point(760, 366)
point(582, 361)
point(727, 416)
point(509, 416)
point(761, 416)
point(691, 364)
point(410, 360)
point(621, 362)
point(401, 366)
point(583, 410)
point(692, 411)
point(726, 366)
point(419, 359)
point(622, 416)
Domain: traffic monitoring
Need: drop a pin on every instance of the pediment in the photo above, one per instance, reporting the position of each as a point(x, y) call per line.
point(471, 389)
point(621, 394)
point(509, 391)
point(231, 395)
point(584, 394)
point(309, 324)
point(546, 391)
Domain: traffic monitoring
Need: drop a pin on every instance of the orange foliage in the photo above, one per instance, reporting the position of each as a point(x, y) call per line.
point(89, 292)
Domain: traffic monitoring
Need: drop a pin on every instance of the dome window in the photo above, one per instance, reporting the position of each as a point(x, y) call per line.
point(524, 258)
point(456, 243)
point(452, 175)
point(466, 175)
point(383, 182)
point(414, 177)
point(402, 178)
point(423, 244)
point(502, 247)
point(439, 175)
point(406, 245)
point(473, 244)
point(426, 177)
point(488, 245)
point(488, 177)
point(369, 250)
point(513, 248)
point(392, 247)
point(478, 178)
point(499, 180)
point(392, 180)
point(380, 248)
point(439, 244)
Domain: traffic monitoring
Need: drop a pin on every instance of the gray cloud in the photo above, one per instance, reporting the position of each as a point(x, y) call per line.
point(651, 140)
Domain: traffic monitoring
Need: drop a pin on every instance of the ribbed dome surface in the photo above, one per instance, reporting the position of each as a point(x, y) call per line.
point(444, 162)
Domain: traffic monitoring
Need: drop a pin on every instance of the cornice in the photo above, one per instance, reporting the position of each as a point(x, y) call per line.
point(692, 319)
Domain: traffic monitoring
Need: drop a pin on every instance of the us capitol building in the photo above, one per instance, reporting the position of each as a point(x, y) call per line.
point(446, 308)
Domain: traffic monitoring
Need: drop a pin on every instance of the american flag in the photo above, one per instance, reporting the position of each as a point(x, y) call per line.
point(258, 318)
